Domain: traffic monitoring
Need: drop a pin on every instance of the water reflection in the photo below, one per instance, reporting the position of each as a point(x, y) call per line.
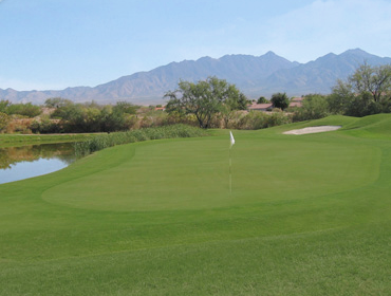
point(17, 163)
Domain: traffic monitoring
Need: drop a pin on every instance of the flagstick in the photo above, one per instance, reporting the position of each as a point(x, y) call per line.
point(230, 171)
point(232, 142)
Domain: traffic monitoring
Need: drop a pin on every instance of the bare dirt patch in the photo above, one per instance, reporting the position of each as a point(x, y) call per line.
point(312, 130)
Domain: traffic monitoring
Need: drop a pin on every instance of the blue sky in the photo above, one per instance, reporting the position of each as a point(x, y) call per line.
point(53, 44)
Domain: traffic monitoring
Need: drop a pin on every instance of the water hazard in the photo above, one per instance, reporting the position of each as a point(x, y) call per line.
point(18, 163)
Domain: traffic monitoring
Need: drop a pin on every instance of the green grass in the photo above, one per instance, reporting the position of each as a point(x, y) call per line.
point(307, 215)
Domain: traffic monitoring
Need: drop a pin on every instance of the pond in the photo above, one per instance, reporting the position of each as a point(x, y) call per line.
point(18, 163)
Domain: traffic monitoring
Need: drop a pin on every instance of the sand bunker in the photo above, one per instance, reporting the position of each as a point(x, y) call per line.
point(311, 130)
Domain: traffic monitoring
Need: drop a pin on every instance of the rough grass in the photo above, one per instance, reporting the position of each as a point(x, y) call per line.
point(9, 140)
point(308, 215)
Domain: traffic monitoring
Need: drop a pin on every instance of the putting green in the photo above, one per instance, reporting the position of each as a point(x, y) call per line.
point(194, 173)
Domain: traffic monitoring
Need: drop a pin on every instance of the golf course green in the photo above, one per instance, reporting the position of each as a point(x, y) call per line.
point(294, 215)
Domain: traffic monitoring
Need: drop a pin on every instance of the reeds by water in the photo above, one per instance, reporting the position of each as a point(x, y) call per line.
point(103, 141)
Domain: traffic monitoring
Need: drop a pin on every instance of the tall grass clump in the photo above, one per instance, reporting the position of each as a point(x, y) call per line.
point(257, 120)
point(100, 142)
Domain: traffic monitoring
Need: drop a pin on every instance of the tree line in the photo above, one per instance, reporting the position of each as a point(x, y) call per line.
point(366, 92)
point(207, 103)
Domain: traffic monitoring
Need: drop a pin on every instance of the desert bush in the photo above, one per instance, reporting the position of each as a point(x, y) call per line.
point(217, 121)
point(19, 124)
point(254, 120)
point(125, 107)
point(3, 105)
point(236, 118)
point(363, 105)
point(28, 109)
point(277, 118)
point(154, 118)
point(314, 107)
point(57, 102)
point(4, 120)
point(131, 122)
point(45, 125)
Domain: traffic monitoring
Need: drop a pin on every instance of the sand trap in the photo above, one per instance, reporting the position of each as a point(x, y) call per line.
point(312, 130)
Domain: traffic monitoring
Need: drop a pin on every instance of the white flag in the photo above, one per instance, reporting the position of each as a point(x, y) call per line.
point(231, 136)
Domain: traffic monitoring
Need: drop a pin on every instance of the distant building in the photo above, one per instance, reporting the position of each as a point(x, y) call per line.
point(260, 107)
point(296, 102)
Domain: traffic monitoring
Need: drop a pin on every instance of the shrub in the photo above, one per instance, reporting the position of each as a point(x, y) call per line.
point(104, 141)
point(45, 125)
point(363, 105)
point(258, 120)
point(3, 105)
point(253, 120)
point(278, 118)
point(19, 124)
point(4, 120)
point(314, 107)
point(28, 110)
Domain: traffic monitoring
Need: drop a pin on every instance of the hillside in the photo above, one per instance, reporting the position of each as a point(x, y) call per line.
point(255, 76)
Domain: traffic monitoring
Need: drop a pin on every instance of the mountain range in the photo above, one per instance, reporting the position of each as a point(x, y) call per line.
point(254, 76)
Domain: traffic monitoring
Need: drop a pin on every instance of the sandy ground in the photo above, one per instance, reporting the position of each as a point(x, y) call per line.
point(311, 130)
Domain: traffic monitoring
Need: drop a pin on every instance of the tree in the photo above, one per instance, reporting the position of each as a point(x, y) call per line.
point(340, 98)
point(375, 80)
point(3, 105)
point(367, 91)
point(125, 107)
point(205, 98)
point(57, 102)
point(280, 100)
point(27, 109)
point(262, 100)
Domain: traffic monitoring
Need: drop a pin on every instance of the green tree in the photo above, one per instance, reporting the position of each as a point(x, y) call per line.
point(3, 105)
point(57, 102)
point(27, 109)
point(340, 98)
point(367, 91)
point(234, 101)
point(205, 98)
point(262, 100)
point(112, 118)
point(125, 107)
point(280, 100)
point(375, 80)
point(243, 102)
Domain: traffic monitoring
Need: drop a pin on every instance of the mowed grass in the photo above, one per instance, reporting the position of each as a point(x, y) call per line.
point(307, 215)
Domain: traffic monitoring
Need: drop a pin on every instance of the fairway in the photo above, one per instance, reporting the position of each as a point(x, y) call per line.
point(307, 215)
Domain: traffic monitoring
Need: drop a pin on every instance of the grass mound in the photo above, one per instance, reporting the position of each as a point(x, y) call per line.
point(307, 215)
point(373, 126)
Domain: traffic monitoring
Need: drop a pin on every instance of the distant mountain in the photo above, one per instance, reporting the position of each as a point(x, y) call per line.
point(320, 75)
point(254, 76)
